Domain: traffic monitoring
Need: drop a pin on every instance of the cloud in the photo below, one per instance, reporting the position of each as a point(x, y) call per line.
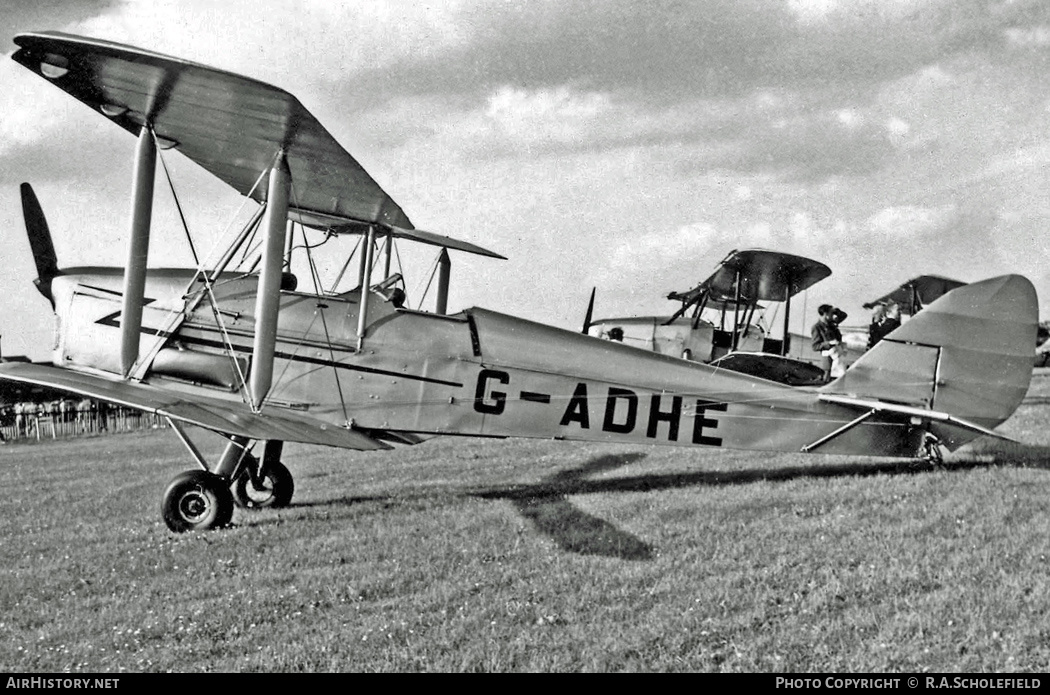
point(944, 240)
point(657, 248)
point(800, 146)
point(910, 220)
point(1028, 37)
point(661, 53)
point(546, 115)
point(313, 40)
point(54, 14)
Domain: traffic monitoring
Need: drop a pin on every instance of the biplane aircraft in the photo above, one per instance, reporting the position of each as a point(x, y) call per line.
point(911, 296)
point(252, 357)
point(730, 320)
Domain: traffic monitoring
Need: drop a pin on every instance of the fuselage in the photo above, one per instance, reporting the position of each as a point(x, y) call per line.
point(706, 341)
point(473, 373)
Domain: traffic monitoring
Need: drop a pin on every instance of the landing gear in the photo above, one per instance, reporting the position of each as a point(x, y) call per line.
point(270, 488)
point(197, 501)
point(201, 500)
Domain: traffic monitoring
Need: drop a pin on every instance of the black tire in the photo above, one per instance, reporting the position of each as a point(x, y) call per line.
point(197, 501)
point(278, 487)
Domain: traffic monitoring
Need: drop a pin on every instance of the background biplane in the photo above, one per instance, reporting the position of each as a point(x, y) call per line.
point(911, 296)
point(738, 319)
point(252, 356)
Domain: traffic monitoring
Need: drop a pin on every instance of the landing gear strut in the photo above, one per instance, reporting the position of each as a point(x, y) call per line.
point(264, 484)
point(201, 500)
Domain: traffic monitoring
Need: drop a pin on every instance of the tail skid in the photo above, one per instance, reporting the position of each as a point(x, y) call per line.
point(962, 365)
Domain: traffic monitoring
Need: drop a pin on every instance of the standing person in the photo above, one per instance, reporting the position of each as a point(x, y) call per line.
point(893, 315)
point(827, 340)
point(883, 322)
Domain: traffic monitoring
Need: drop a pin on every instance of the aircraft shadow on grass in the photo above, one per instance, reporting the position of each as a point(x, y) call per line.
point(547, 506)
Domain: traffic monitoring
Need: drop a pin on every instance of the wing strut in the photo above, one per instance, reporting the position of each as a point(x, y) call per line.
point(138, 249)
point(267, 303)
point(841, 430)
point(187, 442)
point(366, 282)
point(444, 267)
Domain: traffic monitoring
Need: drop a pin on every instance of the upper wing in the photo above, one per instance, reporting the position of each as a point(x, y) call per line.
point(418, 235)
point(210, 413)
point(233, 126)
point(916, 293)
point(769, 276)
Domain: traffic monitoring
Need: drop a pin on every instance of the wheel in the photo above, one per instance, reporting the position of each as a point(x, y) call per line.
point(276, 491)
point(197, 501)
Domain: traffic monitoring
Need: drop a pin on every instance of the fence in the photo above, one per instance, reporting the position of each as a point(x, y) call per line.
point(72, 424)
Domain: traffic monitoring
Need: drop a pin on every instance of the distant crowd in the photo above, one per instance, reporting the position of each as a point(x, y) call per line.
point(69, 418)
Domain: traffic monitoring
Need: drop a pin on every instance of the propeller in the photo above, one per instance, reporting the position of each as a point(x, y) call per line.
point(590, 313)
point(40, 242)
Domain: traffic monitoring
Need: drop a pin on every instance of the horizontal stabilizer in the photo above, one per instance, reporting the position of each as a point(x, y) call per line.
point(936, 416)
point(227, 417)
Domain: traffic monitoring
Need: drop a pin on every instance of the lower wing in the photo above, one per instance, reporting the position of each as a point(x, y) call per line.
point(227, 417)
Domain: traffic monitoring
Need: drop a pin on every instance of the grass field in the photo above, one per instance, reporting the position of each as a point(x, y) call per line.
point(487, 555)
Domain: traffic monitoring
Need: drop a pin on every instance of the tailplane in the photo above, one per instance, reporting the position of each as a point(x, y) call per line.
point(966, 360)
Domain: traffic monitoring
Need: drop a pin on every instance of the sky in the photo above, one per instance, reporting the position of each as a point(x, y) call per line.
point(619, 145)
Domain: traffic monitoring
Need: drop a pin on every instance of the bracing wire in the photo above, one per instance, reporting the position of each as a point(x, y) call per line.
point(213, 302)
point(400, 267)
point(318, 290)
point(176, 316)
point(342, 271)
point(433, 273)
point(178, 204)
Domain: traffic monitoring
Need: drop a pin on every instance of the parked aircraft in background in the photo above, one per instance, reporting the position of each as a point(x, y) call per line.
point(911, 296)
point(737, 319)
point(252, 356)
